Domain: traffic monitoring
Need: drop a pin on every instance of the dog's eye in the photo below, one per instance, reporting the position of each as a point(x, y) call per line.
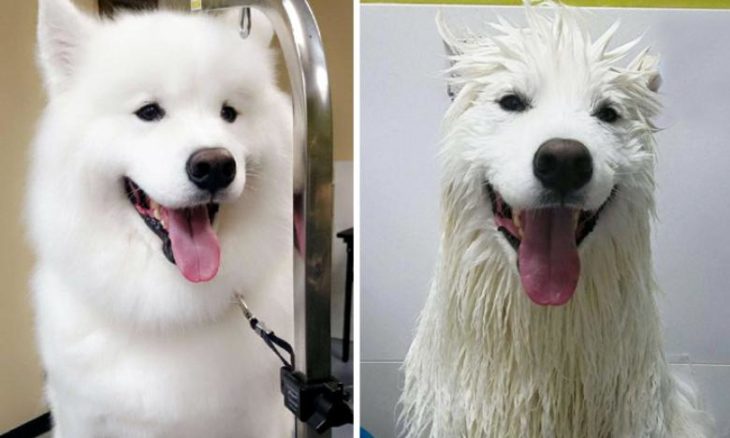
point(512, 102)
point(607, 114)
point(228, 113)
point(150, 112)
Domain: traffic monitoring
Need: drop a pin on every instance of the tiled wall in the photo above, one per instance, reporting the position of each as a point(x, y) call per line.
point(403, 99)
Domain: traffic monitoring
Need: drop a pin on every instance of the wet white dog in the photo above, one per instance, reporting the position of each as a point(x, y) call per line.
point(159, 184)
point(542, 321)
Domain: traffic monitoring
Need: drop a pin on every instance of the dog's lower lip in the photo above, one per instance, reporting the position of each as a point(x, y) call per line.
point(149, 211)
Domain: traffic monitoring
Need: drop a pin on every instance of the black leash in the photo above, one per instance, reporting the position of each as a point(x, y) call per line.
point(269, 337)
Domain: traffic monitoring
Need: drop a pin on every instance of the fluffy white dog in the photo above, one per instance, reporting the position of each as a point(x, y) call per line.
point(160, 182)
point(541, 320)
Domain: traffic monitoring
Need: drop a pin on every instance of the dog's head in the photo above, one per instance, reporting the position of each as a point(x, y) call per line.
point(555, 134)
point(166, 152)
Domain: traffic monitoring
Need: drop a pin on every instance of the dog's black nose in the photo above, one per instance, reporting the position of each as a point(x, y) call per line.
point(563, 165)
point(211, 169)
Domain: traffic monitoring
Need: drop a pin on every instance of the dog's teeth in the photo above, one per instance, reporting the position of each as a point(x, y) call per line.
point(516, 219)
point(156, 211)
point(576, 216)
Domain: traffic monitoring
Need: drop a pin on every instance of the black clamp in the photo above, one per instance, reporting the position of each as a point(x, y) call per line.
point(322, 404)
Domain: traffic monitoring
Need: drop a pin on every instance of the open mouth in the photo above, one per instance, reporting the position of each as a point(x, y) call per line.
point(188, 238)
point(546, 241)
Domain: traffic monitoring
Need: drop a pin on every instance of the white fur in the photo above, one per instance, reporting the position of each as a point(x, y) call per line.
point(129, 346)
point(486, 361)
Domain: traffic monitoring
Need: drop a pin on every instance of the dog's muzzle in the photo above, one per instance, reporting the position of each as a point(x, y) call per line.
point(546, 237)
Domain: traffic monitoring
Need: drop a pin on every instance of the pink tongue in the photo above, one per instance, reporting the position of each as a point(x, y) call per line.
point(194, 243)
point(548, 257)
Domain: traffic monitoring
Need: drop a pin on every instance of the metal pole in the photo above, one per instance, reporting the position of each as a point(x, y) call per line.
point(301, 44)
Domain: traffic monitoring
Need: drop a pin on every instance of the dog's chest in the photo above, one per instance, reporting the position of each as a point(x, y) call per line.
point(219, 379)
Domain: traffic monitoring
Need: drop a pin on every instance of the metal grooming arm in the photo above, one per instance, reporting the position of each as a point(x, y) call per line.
point(301, 44)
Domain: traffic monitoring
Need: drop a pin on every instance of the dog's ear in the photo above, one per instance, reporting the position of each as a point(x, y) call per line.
point(451, 45)
point(451, 41)
point(261, 29)
point(648, 65)
point(655, 81)
point(62, 32)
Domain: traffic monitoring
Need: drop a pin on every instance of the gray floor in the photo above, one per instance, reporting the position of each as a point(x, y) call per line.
point(342, 371)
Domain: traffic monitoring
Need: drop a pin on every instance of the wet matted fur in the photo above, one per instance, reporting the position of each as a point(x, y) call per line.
point(488, 362)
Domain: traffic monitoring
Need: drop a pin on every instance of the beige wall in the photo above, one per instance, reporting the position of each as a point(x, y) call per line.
point(21, 101)
point(334, 18)
point(335, 23)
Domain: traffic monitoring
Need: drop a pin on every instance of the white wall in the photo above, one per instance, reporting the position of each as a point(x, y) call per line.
point(403, 99)
point(343, 202)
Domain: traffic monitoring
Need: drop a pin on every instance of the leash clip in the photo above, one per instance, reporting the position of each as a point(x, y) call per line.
point(275, 343)
point(245, 24)
point(244, 308)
